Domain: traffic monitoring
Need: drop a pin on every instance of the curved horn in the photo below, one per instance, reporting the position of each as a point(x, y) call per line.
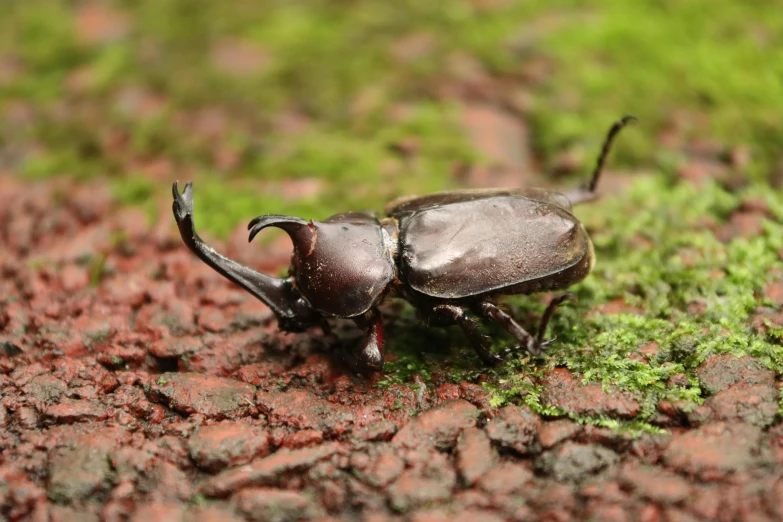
point(277, 293)
point(298, 229)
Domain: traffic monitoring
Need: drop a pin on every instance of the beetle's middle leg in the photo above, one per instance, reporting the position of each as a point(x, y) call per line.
point(526, 340)
point(456, 314)
point(534, 345)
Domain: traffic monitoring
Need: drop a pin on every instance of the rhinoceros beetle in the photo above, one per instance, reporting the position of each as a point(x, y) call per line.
point(446, 253)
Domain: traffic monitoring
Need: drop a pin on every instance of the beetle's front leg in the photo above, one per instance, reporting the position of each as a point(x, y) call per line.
point(368, 356)
point(456, 314)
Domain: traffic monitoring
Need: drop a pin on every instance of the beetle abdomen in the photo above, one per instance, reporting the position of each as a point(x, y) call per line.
point(487, 245)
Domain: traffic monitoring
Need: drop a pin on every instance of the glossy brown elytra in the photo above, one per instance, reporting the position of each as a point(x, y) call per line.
point(448, 254)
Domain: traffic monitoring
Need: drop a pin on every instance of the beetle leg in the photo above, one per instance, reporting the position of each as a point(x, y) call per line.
point(527, 341)
point(368, 356)
point(456, 314)
point(587, 193)
point(548, 313)
point(534, 345)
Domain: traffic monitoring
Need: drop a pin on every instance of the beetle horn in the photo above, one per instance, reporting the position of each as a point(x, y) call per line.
point(275, 292)
point(300, 231)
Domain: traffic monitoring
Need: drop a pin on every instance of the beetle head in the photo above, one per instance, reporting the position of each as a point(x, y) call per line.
point(341, 265)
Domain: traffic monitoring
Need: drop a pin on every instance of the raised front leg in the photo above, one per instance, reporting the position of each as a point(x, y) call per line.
point(452, 314)
point(278, 294)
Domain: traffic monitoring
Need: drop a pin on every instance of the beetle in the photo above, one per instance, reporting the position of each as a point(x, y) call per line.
point(448, 254)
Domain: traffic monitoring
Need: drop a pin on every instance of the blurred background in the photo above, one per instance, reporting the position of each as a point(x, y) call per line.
point(311, 107)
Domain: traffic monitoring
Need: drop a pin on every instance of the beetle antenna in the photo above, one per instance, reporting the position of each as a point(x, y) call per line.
point(599, 166)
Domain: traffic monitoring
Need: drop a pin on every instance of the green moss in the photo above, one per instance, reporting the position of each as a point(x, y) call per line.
point(137, 190)
point(349, 162)
point(674, 60)
point(198, 500)
point(721, 278)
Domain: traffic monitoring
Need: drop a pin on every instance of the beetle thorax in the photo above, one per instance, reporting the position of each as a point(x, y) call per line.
point(342, 265)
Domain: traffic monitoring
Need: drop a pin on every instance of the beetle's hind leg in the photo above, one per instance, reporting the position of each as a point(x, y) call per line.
point(534, 345)
point(548, 313)
point(587, 193)
point(453, 314)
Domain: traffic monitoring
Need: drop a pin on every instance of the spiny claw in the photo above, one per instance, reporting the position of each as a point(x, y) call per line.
point(533, 348)
point(540, 347)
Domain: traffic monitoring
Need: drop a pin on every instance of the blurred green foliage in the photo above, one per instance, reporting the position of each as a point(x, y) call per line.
point(720, 63)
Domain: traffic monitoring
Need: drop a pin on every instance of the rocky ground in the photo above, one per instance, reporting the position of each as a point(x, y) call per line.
point(136, 384)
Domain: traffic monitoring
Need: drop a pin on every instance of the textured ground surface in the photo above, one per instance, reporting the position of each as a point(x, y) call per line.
point(136, 384)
